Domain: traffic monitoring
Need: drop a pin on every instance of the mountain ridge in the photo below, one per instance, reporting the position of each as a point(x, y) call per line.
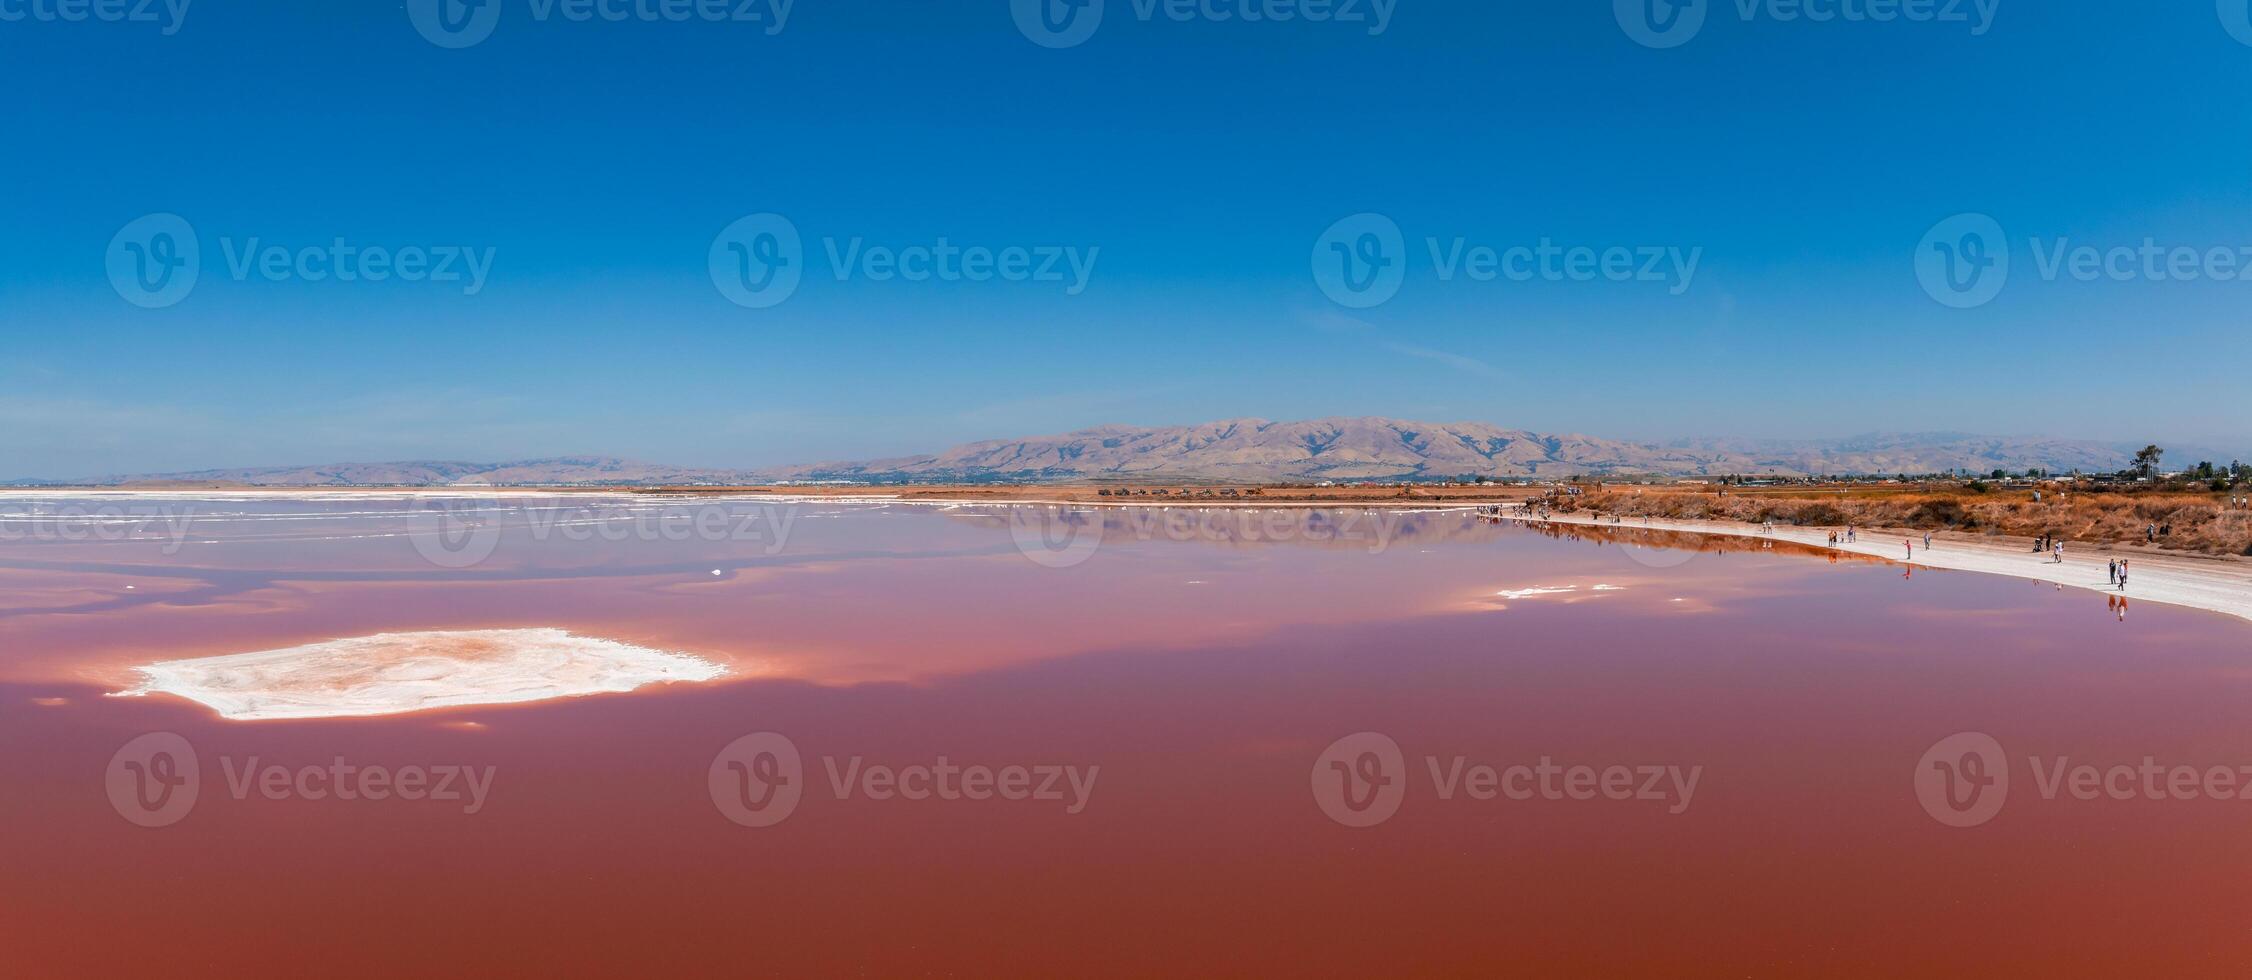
point(1254, 450)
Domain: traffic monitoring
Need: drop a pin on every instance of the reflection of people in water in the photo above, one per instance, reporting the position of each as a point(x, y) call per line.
point(2118, 606)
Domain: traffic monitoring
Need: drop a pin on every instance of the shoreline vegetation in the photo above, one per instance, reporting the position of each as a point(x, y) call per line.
point(2150, 520)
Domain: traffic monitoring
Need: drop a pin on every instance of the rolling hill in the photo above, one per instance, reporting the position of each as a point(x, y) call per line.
point(1254, 451)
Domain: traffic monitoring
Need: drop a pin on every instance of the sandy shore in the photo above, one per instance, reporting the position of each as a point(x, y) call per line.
point(2181, 580)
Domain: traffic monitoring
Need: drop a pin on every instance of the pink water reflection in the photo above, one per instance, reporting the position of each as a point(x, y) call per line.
point(1204, 675)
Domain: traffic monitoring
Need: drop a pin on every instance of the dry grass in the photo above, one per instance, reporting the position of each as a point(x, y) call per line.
point(2194, 522)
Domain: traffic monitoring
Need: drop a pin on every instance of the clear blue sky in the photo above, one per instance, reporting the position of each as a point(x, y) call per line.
point(598, 160)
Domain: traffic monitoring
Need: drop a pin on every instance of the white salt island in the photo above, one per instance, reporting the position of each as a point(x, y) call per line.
point(392, 673)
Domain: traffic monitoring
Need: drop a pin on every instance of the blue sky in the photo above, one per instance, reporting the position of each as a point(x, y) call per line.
point(1197, 161)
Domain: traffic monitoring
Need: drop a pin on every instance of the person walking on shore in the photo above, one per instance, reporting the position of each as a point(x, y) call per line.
point(2122, 574)
point(2057, 549)
point(1911, 546)
point(2111, 573)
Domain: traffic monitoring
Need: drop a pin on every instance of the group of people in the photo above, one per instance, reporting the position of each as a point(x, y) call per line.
point(2048, 543)
point(1852, 534)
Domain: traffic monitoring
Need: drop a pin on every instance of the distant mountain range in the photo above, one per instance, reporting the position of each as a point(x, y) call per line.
point(1256, 450)
point(1259, 451)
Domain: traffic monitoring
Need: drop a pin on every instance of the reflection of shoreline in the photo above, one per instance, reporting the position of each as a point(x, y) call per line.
point(1245, 495)
point(2205, 584)
point(1370, 529)
point(1702, 543)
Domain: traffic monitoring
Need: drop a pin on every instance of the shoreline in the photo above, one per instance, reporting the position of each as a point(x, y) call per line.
point(2198, 582)
point(2219, 584)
